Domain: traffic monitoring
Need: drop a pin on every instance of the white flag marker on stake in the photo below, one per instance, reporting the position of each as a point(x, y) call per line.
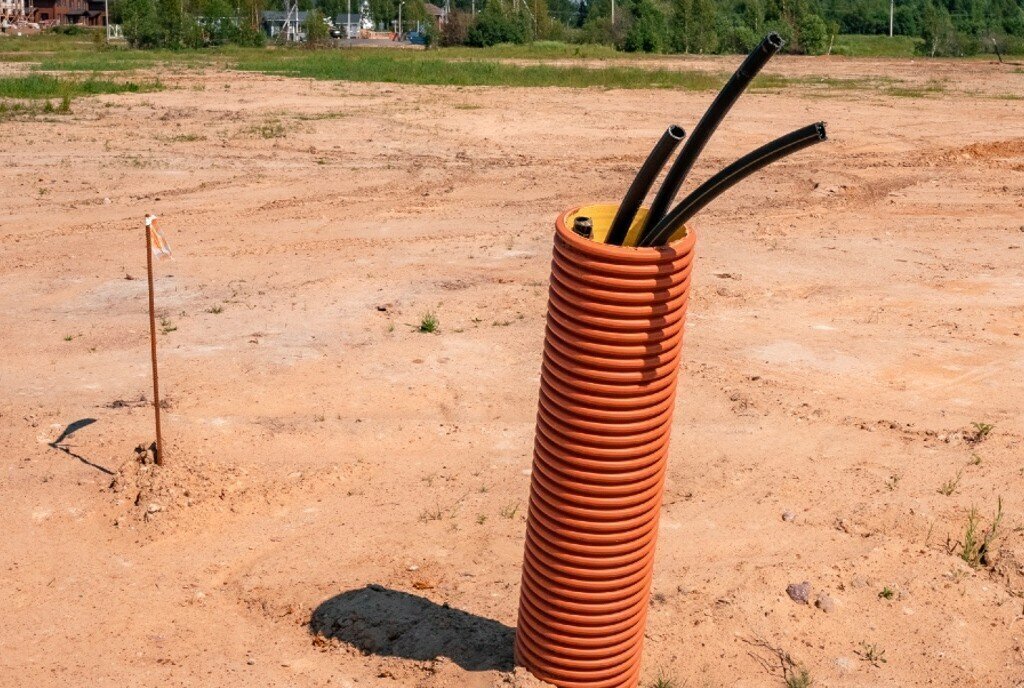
point(158, 244)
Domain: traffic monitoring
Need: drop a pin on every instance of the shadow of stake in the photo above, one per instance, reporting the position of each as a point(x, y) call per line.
point(60, 445)
point(391, 623)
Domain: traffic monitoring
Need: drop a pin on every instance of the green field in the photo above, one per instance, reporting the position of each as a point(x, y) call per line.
point(876, 46)
point(407, 67)
point(37, 86)
point(535, 65)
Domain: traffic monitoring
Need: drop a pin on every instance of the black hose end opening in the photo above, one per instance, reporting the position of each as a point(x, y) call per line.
point(773, 42)
point(822, 134)
point(677, 132)
point(584, 227)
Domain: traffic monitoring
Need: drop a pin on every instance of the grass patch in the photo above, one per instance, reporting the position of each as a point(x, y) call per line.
point(428, 324)
point(977, 544)
point(568, 65)
point(39, 86)
point(949, 487)
point(872, 654)
point(538, 50)
point(798, 677)
point(271, 129)
point(979, 432)
point(408, 67)
point(931, 88)
point(854, 45)
point(184, 138)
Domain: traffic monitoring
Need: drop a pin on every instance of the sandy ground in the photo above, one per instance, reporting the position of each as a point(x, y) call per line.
point(344, 496)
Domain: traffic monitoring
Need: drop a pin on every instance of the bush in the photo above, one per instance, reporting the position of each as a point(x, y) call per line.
point(693, 28)
point(494, 25)
point(455, 31)
point(813, 35)
point(140, 23)
point(648, 32)
point(317, 31)
point(599, 30)
point(737, 38)
point(70, 29)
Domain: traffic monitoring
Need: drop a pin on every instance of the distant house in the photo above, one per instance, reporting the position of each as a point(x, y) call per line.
point(435, 13)
point(276, 25)
point(97, 12)
point(352, 23)
point(61, 11)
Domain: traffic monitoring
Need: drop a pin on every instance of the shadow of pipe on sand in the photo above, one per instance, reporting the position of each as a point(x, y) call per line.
point(390, 623)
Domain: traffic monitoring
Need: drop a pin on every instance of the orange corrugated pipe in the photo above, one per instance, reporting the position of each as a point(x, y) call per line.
point(608, 382)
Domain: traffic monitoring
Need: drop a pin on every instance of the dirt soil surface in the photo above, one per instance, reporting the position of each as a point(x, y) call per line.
point(343, 498)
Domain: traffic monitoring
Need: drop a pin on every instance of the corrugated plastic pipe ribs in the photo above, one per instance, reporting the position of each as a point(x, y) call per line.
point(611, 357)
point(616, 310)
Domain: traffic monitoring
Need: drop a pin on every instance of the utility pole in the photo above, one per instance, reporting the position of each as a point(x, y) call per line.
point(106, 19)
point(613, 14)
point(892, 11)
point(348, 21)
point(400, 3)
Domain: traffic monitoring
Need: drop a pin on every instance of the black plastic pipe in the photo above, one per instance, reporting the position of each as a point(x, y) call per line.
point(723, 102)
point(642, 184)
point(734, 173)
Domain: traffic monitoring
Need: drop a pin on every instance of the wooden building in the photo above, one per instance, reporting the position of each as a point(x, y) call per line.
point(84, 12)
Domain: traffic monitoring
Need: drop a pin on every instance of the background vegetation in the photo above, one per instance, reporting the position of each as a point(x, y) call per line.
point(926, 27)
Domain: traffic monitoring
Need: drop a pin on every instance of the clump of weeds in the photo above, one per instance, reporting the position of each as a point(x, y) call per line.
point(976, 545)
point(949, 487)
point(872, 654)
point(428, 323)
point(980, 432)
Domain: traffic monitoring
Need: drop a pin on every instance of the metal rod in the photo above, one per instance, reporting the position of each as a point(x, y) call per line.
point(159, 459)
point(731, 175)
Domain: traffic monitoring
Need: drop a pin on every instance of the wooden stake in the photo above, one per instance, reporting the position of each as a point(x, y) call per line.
point(159, 459)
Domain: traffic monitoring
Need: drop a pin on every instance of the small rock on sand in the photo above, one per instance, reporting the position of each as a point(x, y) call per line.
point(825, 603)
point(799, 592)
point(788, 516)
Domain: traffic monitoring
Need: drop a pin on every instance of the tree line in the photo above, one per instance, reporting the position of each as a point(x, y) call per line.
point(943, 27)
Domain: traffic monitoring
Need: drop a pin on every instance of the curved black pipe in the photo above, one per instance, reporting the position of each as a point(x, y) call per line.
point(734, 173)
point(723, 102)
point(643, 182)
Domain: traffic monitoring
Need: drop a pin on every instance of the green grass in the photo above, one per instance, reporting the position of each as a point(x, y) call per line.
point(408, 67)
point(428, 323)
point(38, 86)
point(561, 65)
point(853, 45)
point(949, 487)
point(977, 544)
point(538, 50)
